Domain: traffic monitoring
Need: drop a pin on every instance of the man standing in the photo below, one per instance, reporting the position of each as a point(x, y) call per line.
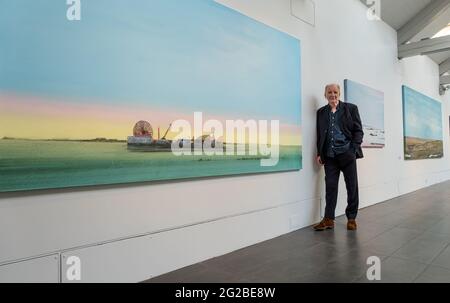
point(339, 138)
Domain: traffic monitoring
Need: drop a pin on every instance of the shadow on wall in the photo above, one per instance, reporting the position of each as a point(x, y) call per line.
point(318, 170)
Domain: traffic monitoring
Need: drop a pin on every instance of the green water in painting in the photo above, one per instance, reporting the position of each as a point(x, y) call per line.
point(28, 165)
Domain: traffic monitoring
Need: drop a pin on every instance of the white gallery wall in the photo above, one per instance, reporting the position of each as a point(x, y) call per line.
point(134, 232)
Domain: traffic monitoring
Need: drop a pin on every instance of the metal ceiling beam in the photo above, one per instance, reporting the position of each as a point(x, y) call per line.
point(424, 47)
point(430, 13)
point(444, 67)
point(445, 80)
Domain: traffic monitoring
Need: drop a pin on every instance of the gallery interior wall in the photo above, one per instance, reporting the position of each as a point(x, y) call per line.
point(131, 233)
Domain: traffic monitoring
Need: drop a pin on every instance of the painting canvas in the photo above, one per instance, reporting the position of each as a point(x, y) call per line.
point(94, 101)
point(370, 103)
point(423, 132)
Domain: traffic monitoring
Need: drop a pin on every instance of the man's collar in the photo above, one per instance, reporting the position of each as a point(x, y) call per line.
point(337, 108)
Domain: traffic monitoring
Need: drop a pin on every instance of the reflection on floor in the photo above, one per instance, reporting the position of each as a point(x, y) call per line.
point(410, 235)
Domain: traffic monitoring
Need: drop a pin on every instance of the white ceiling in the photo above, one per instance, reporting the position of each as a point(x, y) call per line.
point(440, 57)
point(397, 13)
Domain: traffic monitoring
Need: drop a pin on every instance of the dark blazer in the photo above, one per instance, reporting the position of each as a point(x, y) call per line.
point(351, 126)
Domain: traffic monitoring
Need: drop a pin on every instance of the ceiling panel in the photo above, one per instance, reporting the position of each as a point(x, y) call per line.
point(440, 57)
point(397, 13)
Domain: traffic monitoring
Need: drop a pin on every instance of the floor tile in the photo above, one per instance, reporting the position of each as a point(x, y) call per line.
point(410, 234)
point(434, 274)
point(421, 249)
point(443, 259)
point(390, 241)
point(396, 270)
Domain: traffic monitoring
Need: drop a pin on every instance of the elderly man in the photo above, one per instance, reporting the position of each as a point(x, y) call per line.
point(339, 138)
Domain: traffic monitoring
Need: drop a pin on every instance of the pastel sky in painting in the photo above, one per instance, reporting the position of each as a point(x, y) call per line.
point(422, 115)
point(170, 55)
point(370, 103)
point(35, 118)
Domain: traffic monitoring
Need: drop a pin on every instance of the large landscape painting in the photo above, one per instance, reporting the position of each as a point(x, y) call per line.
point(423, 131)
point(95, 101)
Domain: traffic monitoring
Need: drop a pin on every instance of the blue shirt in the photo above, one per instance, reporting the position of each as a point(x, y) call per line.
point(337, 142)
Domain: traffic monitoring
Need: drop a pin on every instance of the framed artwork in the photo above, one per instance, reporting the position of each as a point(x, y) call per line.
point(370, 103)
point(101, 100)
point(422, 126)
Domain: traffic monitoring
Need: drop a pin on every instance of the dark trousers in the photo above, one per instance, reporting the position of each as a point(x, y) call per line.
point(333, 166)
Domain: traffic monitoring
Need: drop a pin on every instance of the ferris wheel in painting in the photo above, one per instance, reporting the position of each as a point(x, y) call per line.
point(143, 129)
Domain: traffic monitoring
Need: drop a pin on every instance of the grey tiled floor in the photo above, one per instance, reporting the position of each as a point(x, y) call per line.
point(410, 234)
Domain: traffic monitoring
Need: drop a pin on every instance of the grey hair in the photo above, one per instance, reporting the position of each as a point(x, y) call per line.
point(332, 84)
